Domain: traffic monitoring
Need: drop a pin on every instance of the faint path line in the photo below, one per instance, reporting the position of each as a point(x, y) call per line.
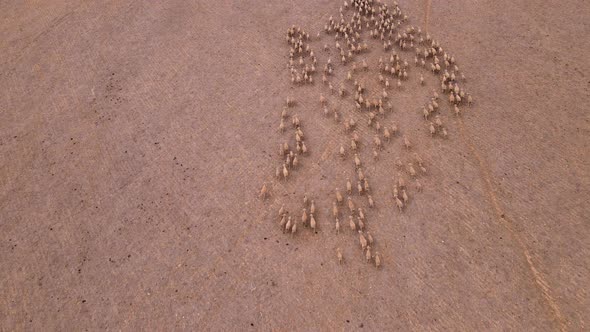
point(428, 5)
point(486, 177)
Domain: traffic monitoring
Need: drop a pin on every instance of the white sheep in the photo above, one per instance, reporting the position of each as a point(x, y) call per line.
point(288, 225)
point(360, 174)
point(282, 210)
point(368, 254)
point(351, 224)
point(432, 129)
point(357, 160)
point(407, 143)
point(348, 186)
point(339, 198)
point(339, 255)
point(361, 223)
point(362, 240)
point(350, 205)
point(312, 222)
point(400, 204)
point(283, 222)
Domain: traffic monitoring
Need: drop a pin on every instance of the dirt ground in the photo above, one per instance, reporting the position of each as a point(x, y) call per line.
point(135, 137)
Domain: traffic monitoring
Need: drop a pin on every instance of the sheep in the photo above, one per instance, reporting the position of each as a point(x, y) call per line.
point(304, 217)
point(375, 154)
point(377, 259)
point(295, 162)
point(469, 99)
point(360, 174)
point(361, 223)
point(368, 254)
point(393, 129)
point(303, 148)
point(294, 228)
point(357, 161)
point(400, 180)
point(339, 255)
point(283, 222)
point(386, 134)
point(334, 209)
point(457, 111)
point(411, 170)
point(362, 240)
point(290, 102)
point(353, 145)
point(387, 83)
point(282, 126)
point(312, 207)
point(407, 142)
point(438, 121)
point(322, 99)
point(288, 225)
point(377, 142)
point(444, 132)
point(337, 226)
point(421, 79)
point(285, 172)
point(371, 202)
point(348, 186)
point(361, 214)
point(350, 205)
point(426, 113)
point(432, 129)
point(312, 222)
point(339, 198)
point(365, 65)
point(399, 204)
point(418, 186)
point(366, 185)
point(305, 200)
point(351, 224)
point(282, 210)
point(399, 84)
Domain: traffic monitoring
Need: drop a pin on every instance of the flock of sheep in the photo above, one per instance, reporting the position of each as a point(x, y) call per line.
point(389, 30)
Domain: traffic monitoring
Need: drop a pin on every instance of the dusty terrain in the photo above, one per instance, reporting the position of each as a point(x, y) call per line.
point(135, 138)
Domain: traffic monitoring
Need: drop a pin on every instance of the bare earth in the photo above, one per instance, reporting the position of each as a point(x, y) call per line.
point(135, 136)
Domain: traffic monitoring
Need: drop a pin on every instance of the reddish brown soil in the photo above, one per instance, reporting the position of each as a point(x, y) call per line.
point(135, 136)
